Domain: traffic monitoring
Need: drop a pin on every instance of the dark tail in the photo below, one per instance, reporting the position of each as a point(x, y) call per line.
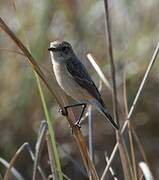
point(110, 119)
point(104, 110)
point(101, 107)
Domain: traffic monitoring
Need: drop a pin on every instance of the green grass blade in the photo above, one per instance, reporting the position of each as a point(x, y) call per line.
point(51, 131)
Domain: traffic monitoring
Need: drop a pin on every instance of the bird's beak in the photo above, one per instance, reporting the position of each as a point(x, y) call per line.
point(51, 49)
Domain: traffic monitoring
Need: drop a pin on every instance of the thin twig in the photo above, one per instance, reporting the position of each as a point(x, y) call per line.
point(113, 71)
point(132, 151)
point(28, 148)
point(152, 61)
point(90, 128)
point(150, 65)
point(110, 168)
point(11, 51)
point(140, 146)
point(125, 160)
point(99, 72)
point(122, 148)
point(103, 78)
point(129, 128)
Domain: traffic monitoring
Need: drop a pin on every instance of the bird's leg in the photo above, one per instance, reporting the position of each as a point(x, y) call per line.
point(64, 111)
point(79, 119)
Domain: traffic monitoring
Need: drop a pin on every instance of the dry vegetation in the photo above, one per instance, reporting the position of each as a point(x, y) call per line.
point(122, 39)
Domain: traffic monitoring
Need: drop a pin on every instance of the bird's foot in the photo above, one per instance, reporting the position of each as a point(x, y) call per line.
point(77, 124)
point(63, 111)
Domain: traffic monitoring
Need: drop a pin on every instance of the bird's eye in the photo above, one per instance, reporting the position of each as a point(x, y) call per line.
point(64, 49)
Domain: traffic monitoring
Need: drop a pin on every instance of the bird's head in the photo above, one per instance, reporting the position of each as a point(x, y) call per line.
point(60, 50)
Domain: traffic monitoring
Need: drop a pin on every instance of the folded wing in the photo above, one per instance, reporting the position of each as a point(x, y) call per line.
point(82, 77)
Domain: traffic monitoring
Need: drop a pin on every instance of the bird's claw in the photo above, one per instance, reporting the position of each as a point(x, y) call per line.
point(77, 124)
point(63, 111)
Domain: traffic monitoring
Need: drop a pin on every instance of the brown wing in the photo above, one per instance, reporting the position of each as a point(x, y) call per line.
point(81, 76)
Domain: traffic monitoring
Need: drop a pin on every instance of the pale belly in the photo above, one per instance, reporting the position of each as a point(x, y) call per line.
point(68, 84)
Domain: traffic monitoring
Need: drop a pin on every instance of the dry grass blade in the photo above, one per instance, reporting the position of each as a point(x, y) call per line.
point(146, 171)
point(110, 161)
point(150, 65)
point(77, 133)
point(13, 170)
point(98, 70)
point(7, 174)
point(122, 148)
point(110, 168)
point(129, 128)
point(152, 61)
point(91, 171)
point(132, 151)
point(113, 73)
point(39, 146)
point(90, 135)
point(11, 51)
point(28, 148)
point(22, 148)
point(103, 78)
point(127, 169)
point(140, 146)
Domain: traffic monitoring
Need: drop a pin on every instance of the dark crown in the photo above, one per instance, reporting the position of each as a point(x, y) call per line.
point(58, 46)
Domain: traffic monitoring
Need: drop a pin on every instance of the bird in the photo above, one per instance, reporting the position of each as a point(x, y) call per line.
point(73, 77)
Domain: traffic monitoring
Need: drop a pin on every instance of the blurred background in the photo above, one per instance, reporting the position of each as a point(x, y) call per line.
point(135, 28)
